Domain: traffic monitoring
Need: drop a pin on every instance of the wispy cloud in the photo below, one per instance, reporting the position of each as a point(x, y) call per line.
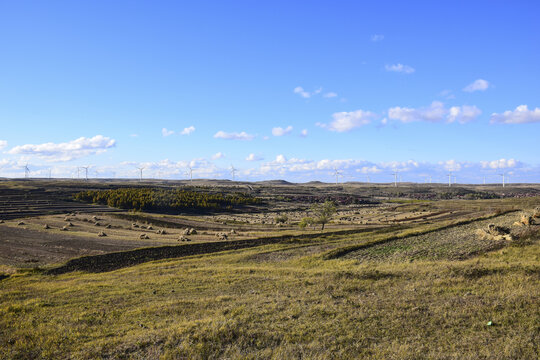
point(279, 131)
point(346, 121)
point(406, 69)
point(188, 130)
point(253, 157)
point(377, 37)
point(520, 115)
point(218, 155)
point(3, 144)
point(75, 149)
point(330, 95)
point(166, 132)
point(304, 133)
point(500, 164)
point(233, 135)
point(477, 85)
point(436, 112)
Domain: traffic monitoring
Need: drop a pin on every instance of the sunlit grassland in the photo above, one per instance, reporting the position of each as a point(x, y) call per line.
point(232, 305)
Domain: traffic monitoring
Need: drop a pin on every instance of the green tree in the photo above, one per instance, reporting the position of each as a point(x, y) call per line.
point(306, 221)
point(323, 212)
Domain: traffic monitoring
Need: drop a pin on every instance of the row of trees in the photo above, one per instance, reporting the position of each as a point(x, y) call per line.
point(147, 199)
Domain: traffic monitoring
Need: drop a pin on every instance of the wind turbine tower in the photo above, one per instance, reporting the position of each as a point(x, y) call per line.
point(190, 174)
point(337, 174)
point(503, 178)
point(85, 172)
point(395, 173)
point(449, 179)
point(233, 172)
point(26, 171)
point(140, 170)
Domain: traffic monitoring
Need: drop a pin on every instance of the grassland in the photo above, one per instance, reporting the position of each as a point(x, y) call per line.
point(405, 289)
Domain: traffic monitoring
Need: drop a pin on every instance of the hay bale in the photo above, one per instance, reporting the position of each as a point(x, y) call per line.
point(232, 232)
point(101, 234)
point(536, 212)
point(494, 233)
point(192, 231)
point(21, 223)
point(69, 224)
point(64, 228)
point(149, 227)
point(134, 225)
point(183, 238)
point(526, 220)
point(144, 237)
point(97, 224)
point(161, 232)
point(95, 218)
point(67, 218)
point(1, 221)
point(46, 226)
point(108, 226)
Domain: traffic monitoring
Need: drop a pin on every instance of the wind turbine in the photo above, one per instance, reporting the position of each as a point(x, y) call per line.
point(395, 173)
point(449, 179)
point(503, 178)
point(368, 180)
point(78, 172)
point(190, 173)
point(85, 171)
point(50, 174)
point(337, 174)
point(26, 171)
point(140, 169)
point(233, 171)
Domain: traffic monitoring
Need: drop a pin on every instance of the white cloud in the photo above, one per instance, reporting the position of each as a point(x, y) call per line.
point(279, 131)
point(166, 132)
point(188, 130)
point(253, 157)
point(281, 159)
point(463, 114)
point(75, 149)
point(477, 85)
point(304, 133)
point(346, 121)
point(520, 115)
point(499, 164)
point(451, 165)
point(330, 95)
point(234, 135)
point(133, 135)
point(306, 94)
point(436, 112)
point(3, 144)
point(377, 37)
point(218, 155)
point(406, 69)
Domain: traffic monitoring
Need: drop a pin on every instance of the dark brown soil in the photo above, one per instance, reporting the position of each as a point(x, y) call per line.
point(29, 248)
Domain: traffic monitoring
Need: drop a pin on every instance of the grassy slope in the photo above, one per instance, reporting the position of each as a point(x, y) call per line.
point(255, 304)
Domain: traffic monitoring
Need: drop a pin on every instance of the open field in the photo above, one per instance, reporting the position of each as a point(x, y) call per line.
point(390, 277)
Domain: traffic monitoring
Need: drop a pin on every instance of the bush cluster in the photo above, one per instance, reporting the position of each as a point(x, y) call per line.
point(159, 200)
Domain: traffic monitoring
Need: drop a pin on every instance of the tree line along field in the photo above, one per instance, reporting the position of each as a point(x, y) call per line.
point(387, 278)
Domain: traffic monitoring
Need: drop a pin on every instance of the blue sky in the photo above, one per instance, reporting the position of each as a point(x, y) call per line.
point(278, 89)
